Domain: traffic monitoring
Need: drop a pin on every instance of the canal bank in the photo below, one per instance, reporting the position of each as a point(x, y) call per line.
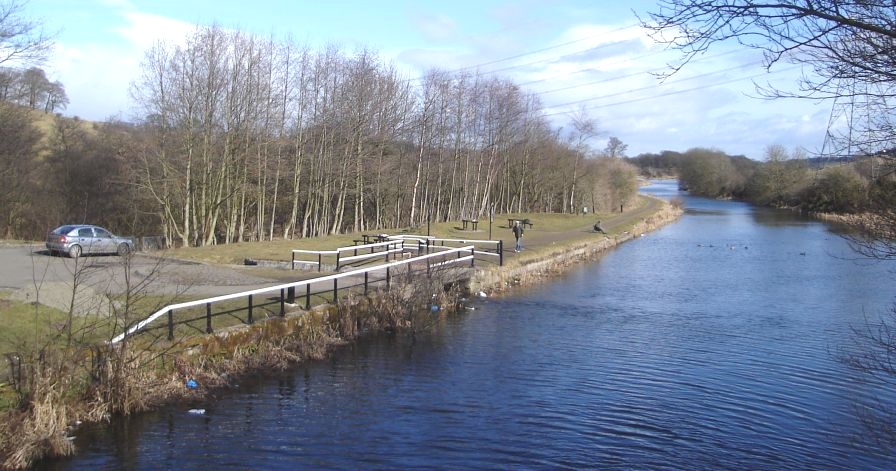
point(704, 345)
point(559, 254)
point(134, 382)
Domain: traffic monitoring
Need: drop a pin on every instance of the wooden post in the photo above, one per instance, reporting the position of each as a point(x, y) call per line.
point(282, 303)
point(308, 296)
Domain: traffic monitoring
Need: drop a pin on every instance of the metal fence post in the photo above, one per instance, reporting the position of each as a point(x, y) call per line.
point(387, 278)
point(293, 266)
point(335, 289)
point(501, 253)
point(308, 297)
point(171, 324)
point(365, 281)
point(473, 260)
point(208, 318)
point(250, 309)
point(282, 305)
point(291, 294)
point(319, 261)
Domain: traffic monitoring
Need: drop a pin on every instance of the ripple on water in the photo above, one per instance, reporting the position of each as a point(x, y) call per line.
point(666, 354)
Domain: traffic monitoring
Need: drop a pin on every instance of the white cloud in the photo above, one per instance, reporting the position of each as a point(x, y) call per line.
point(143, 30)
point(97, 76)
point(438, 28)
point(96, 79)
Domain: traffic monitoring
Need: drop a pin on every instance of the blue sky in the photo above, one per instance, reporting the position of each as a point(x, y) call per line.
point(576, 54)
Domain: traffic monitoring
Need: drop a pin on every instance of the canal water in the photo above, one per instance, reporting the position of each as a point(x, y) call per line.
point(712, 343)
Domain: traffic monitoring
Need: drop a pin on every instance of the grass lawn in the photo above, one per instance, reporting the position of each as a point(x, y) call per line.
point(28, 327)
point(280, 249)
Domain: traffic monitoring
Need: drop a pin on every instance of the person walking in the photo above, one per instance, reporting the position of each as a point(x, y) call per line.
point(518, 233)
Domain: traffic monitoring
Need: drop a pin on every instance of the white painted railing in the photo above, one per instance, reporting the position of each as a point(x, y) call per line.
point(498, 246)
point(282, 288)
point(391, 247)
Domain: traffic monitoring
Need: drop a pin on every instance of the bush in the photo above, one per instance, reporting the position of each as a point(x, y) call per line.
point(837, 190)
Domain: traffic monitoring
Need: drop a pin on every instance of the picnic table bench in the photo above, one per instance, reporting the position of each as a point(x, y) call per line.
point(473, 222)
point(371, 238)
point(524, 222)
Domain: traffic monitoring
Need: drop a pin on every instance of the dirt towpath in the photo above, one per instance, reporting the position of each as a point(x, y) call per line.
point(541, 238)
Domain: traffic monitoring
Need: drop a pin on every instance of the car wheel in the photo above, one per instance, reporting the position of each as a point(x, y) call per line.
point(124, 249)
point(74, 251)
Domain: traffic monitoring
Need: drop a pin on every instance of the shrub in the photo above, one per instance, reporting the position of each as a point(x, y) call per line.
point(837, 190)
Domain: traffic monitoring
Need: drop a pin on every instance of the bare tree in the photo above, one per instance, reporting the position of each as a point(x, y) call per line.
point(22, 40)
point(55, 97)
point(849, 46)
point(615, 148)
point(584, 128)
point(19, 140)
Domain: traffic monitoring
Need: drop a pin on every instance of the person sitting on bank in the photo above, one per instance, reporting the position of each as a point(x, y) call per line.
point(597, 227)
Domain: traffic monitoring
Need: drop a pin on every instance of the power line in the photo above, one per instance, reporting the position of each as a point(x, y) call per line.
point(651, 97)
point(628, 59)
point(642, 72)
point(537, 51)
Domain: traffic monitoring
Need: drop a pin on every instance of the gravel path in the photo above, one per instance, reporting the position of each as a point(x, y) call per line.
point(30, 274)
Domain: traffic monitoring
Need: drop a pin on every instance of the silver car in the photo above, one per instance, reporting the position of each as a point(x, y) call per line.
point(78, 239)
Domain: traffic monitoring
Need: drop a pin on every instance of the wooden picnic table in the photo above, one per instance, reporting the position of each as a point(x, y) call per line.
point(524, 222)
point(473, 222)
point(371, 238)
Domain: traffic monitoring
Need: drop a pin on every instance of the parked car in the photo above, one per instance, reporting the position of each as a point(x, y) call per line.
point(77, 239)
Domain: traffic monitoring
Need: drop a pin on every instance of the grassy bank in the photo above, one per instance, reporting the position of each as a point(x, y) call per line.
point(84, 381)
point(280, 249)
point(540, 265)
